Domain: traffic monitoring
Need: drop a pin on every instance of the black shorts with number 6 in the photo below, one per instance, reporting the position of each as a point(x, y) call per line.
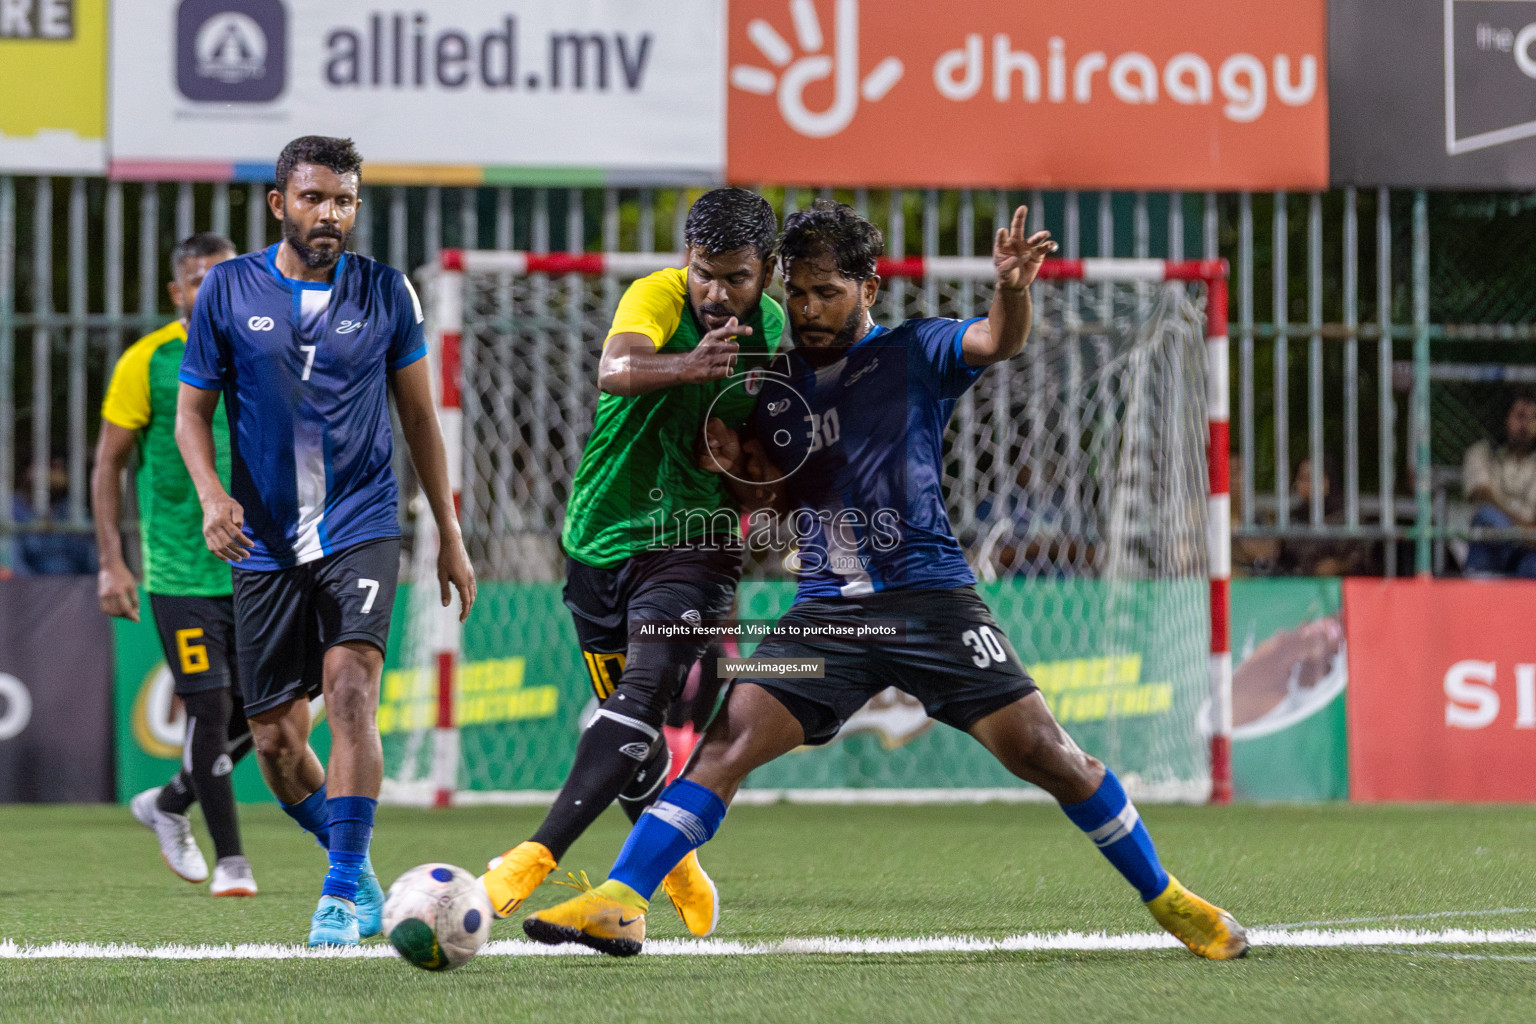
point(953, 658)
point(198, 637)
point(287, 619)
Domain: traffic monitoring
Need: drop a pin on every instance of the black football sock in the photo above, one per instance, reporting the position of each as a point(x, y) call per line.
point(240, 740)
point(240, 746)
point(208, 748)
point(648, 782)
point(176, 796)
point(611, 750)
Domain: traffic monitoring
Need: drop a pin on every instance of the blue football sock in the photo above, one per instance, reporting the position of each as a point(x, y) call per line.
point(1111, 821)
point(682, 819)
point(312, 815)
point(351, 830)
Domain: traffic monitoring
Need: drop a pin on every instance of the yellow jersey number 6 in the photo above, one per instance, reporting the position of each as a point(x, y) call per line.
point(194, 657)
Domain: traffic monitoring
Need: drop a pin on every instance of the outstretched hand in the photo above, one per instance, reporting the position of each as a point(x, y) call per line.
point(1016, 257)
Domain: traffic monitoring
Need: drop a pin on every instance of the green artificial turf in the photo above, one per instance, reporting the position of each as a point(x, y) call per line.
point(91, 874)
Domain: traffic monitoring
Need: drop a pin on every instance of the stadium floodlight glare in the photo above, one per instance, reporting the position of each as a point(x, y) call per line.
point(1112, 396)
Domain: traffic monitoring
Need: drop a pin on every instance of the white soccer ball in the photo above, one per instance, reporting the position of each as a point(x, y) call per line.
point(437, 916)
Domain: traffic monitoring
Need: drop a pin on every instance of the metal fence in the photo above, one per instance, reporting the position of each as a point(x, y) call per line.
point(1348, 324)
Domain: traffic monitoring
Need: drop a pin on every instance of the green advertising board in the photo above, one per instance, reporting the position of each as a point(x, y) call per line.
point(1123, 667)
point(522, 688)
point(1288, 690)
point(1117, 663)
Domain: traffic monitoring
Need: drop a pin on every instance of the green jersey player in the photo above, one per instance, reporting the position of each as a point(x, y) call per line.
point(189, 588)
point(649, 535)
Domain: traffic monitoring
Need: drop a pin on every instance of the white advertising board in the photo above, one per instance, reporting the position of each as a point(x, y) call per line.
point(458, 91)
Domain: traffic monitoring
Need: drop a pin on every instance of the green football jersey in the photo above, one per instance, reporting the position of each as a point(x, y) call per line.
point(142, 398)
point(638, 486)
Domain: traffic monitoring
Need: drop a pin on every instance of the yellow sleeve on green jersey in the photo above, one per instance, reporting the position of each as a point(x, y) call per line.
point(652, 306)
point(127, 401)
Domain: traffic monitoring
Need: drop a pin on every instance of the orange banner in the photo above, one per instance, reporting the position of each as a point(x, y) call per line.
point(1442, 689)
point(1183, 94)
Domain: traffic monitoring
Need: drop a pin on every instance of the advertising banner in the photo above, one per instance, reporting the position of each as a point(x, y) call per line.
point(55, 691)
point(524, 695)
point(458, 92)
point(1433, 94)
point(1288, 690)
point(1192, 94)
point(53, 86)
point(1442, 689)
point(1127, 699)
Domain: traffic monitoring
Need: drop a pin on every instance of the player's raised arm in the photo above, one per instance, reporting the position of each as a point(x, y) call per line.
point(722, 290)
point(223, 516)
point(630, 364)
point(424, 438)
point(1016, 259)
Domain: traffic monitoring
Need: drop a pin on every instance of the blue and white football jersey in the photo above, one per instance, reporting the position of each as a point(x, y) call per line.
point(304, 369)
point(861, 442)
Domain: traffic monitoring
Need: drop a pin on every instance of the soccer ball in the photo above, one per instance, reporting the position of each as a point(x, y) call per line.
point(437, 916)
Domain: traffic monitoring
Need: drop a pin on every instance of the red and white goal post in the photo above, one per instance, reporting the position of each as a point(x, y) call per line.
point(966, 281)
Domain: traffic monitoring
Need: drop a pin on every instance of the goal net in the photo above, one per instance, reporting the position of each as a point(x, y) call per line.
point(1077, 478)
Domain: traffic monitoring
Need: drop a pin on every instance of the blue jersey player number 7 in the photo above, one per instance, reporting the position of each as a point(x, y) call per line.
point(306, 341)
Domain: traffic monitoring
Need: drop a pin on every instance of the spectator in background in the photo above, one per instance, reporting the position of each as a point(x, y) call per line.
point(1501, 479)
point(44, 544)
point(1321, 556)
point(1251, 556)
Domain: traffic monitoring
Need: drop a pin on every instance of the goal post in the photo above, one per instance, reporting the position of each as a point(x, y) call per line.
point(1101, 435)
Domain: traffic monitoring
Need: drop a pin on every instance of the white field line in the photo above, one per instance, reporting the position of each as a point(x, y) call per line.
point(1433, 954)
point(1060, 941)
point(1402, 917)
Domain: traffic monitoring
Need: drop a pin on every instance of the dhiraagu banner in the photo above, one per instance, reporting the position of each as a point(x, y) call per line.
point(1288, 690)
point(53, 82)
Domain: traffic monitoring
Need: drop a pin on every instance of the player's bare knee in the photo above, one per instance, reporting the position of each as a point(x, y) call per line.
point(351, 704)
point(1042, 748)
point(720, 761)
point(277, 743)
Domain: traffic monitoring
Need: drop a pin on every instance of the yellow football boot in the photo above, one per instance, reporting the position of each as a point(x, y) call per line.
point(693, 895)
point(511, 877)
point(609, 918)
point(1207, 930)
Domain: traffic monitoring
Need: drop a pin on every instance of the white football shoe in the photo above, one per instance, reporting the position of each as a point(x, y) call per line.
point(232, 877)
point(175, 834)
